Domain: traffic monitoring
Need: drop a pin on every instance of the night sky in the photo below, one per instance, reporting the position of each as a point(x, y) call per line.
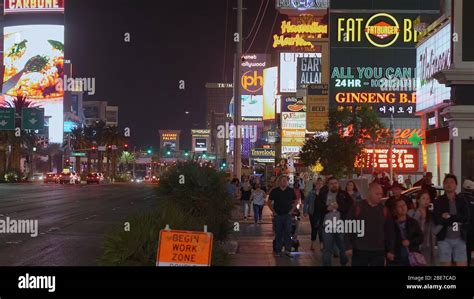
point(170, 41)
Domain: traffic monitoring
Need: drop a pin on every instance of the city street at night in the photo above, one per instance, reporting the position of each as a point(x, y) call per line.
point(73, 221)
point(319, 145)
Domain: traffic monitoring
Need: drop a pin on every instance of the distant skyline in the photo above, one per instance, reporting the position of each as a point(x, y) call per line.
point(169, 42)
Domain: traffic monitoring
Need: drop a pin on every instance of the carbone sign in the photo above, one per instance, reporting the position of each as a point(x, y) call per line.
point(184, 249)
point(32, 6)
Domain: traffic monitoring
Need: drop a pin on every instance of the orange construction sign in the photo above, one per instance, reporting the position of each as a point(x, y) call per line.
point(184, 249)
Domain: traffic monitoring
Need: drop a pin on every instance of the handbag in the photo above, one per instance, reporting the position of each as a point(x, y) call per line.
point(416, 259)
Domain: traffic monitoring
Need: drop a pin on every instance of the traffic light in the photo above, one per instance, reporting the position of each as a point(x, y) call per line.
point(125, 146)
point(149, 151)
point(168, 153)
point(186, 153)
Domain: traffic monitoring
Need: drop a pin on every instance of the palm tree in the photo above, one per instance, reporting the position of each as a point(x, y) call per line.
point(78, 143)
point(89, 143)
point(4, 137)
point(126, 159)
point(16, 142)
point(98, 135)
point(52, 151)
point(114, 137)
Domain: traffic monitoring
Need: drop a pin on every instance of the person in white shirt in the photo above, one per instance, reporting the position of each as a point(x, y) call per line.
point(258, 198)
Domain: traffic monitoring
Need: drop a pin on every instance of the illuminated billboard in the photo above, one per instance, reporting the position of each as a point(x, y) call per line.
point(34, 63)
point(252, 73)
point(288, 70)
point(378, 30)
point(309, 71)
point(252, 108)
point(302, 5)
point(270, 92)
point(293, 132)
point(432, 56)
point(33, 6)
point(299, 33)
point(373, 63)
point(403, 160)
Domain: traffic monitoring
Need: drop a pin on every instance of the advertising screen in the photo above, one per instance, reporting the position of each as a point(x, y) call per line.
point(270, 92)
point(299, 33)
point(293, 104)
point(373, 63)
point(377, 30)
point(403, 160)
point(252, 73)
point(309, 71)
point(34, 62)
point(201, 145)
point(252, 108)
point(33, 6)
point(288, 70)
point(432, 56)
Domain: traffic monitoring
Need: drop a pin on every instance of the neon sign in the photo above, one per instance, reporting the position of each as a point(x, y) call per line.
point(29, 6)
point(297, 32)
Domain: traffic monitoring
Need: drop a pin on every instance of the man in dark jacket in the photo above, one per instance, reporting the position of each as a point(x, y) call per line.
point(469, 196)
point(377, 243)
point(337, 202)
point(451, 211)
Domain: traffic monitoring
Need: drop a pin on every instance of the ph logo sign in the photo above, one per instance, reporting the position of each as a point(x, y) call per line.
point(252, 81)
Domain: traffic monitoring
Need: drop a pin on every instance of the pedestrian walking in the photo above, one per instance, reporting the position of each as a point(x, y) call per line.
point(408, 238)
point(258, 200)
point(469, 196)
point(313, 208)
point(377, 243)
point(351, 189)
point(424, 215)
point(282, 203)
point(246, 192)
point(338, 202)
point(452, 213)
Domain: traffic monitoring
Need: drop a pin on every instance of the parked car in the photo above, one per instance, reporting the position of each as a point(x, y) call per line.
point(51, 177)
point(95, 178)
point(69, 178)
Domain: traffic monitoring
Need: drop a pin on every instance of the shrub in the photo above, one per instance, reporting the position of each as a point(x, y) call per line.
point(14, 177)
point(201, 200)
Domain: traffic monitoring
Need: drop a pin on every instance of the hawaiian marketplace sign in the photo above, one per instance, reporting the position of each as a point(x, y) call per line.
point(300, 33)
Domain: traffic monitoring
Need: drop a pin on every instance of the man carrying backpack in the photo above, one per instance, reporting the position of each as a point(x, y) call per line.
point(377, 242)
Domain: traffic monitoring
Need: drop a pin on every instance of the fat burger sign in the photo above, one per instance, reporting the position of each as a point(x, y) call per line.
point(33, 6)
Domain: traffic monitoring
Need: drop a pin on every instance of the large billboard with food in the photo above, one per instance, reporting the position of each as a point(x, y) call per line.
point(34, 63)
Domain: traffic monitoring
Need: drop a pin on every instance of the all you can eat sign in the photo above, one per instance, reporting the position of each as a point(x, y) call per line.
point(184, 249)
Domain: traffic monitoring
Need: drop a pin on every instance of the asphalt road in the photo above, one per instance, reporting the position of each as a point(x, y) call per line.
point(72, 221)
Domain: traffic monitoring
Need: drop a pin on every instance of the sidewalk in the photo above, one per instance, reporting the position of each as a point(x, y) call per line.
point(256, 244)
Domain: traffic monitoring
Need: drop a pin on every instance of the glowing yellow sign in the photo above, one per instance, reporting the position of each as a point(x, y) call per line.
point(295, 33)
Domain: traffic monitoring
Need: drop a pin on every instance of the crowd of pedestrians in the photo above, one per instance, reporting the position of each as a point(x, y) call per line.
point(434, 228)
